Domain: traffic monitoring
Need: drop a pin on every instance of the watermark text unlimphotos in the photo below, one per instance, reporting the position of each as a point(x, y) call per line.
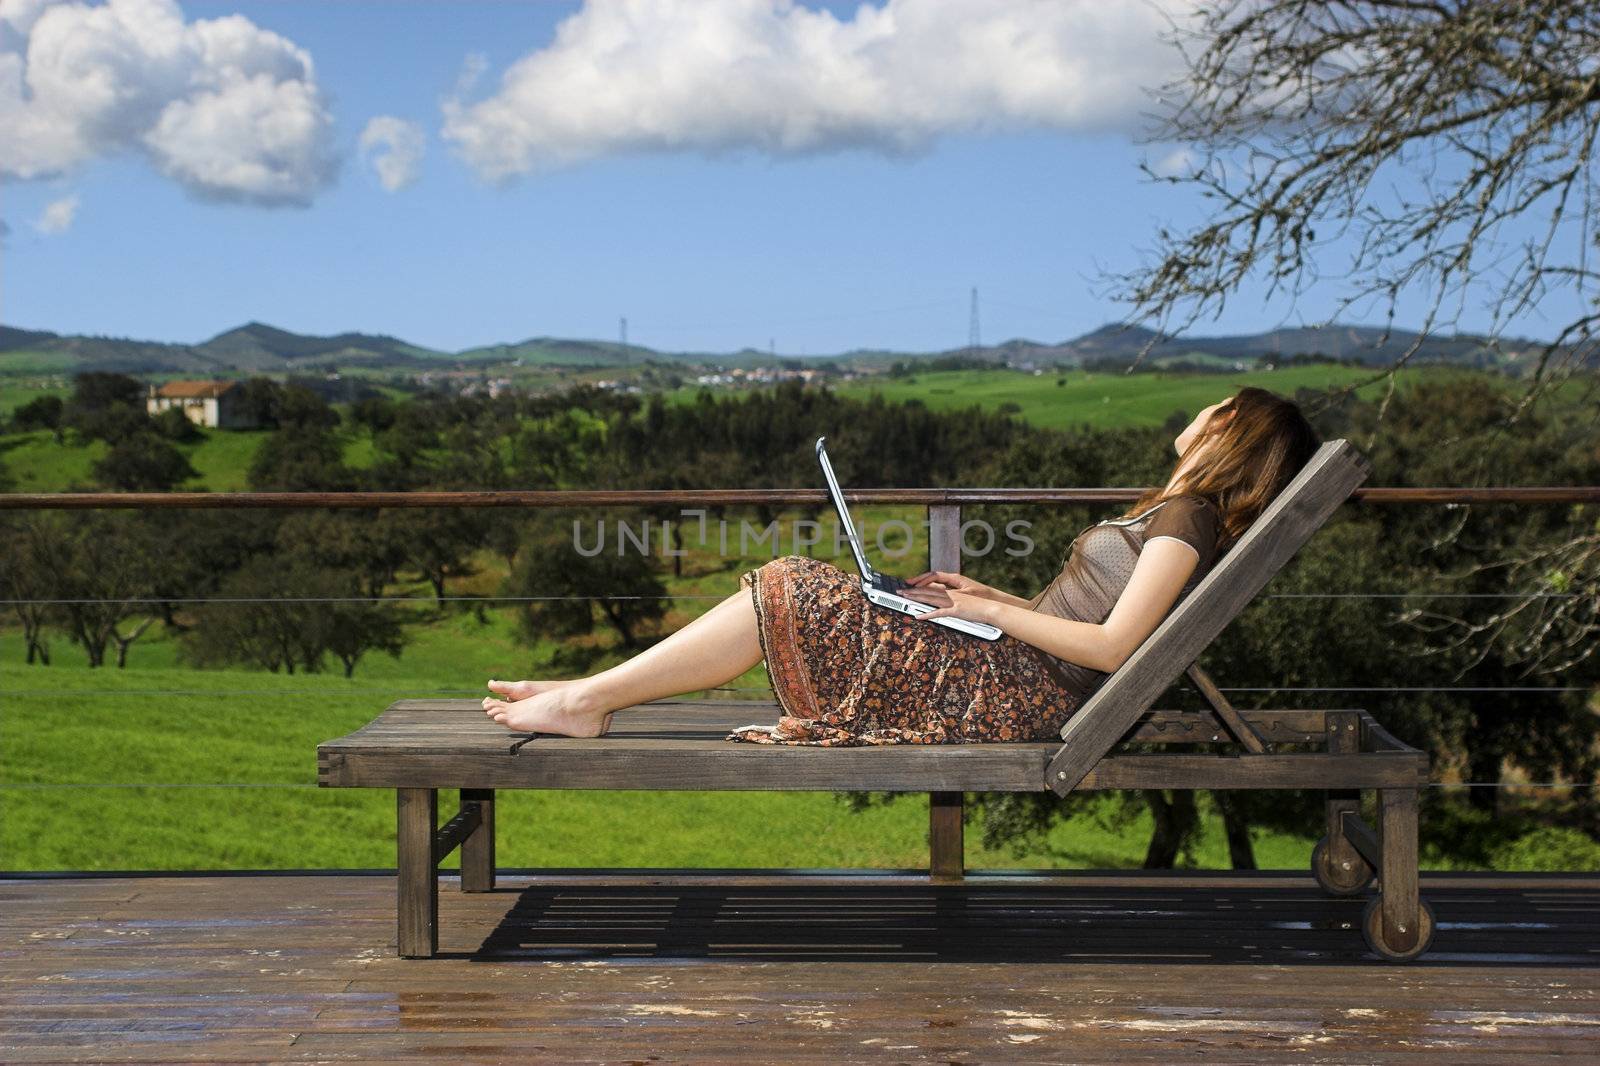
point(894, 539)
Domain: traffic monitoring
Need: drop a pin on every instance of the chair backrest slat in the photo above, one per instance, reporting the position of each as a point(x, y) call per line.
point(1288, 522)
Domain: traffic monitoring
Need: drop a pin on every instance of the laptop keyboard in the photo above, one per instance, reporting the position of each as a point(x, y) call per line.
point(888, 583)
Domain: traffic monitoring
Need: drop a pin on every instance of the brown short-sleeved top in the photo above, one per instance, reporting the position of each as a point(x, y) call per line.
point(1101, 560)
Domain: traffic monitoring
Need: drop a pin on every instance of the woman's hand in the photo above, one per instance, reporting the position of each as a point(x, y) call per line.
point(940, 579)
point(952, 602)
point(937, 580)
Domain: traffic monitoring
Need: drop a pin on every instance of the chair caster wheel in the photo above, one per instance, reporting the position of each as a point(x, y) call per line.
point(1372, 929)
point(1340, 879)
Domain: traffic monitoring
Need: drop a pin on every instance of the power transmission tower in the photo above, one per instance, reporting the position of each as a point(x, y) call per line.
point(624, 332)
point(974, 342)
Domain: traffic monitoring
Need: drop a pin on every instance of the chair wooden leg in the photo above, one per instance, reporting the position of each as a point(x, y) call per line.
point(477, 851)
point(1338, 867)
point(417, 815)
point(946, 847)
point(946, 858)
point(1397, 876)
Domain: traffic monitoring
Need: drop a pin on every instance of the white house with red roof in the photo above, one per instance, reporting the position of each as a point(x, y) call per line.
point(219, 404)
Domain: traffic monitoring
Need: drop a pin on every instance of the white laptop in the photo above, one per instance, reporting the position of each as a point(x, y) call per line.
point(882, 589)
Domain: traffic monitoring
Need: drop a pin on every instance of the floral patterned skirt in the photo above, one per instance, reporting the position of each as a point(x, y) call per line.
point(849, 672)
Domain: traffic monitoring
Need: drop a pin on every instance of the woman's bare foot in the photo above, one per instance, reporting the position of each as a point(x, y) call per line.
point(565, 709)
point(521, 690)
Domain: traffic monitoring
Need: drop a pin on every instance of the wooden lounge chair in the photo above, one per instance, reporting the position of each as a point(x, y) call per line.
point(420, 746)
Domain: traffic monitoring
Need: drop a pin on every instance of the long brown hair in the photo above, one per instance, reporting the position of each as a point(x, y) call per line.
point(1253, 456)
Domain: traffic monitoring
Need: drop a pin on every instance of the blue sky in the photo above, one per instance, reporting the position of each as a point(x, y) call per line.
point(713, 248)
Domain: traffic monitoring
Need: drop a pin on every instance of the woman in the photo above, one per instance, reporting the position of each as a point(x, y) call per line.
point(846, 672)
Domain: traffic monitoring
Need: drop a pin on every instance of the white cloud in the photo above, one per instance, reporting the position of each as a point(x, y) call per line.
point(1176, 162)
point(229, 110)
point(776, 77)
point(58, 215)
point(394, 147)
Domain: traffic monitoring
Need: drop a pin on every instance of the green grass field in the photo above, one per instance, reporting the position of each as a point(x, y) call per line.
point(1093, 399)
point(22, 361)
point(1099, 400)
point(16, 391)
point(222, 457)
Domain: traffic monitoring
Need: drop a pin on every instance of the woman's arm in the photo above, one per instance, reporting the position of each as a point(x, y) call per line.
point(1158, 577)
point(1012, 601)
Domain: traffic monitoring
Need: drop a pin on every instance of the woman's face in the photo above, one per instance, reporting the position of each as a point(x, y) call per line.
point(1182, 441)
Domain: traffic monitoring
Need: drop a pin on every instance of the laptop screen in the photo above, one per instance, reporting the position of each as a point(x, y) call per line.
point(844, 511)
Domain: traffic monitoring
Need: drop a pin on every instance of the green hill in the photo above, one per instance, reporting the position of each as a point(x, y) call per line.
point(257, 347)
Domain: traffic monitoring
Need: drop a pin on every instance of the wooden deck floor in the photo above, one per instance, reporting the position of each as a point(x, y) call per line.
point(581, 968)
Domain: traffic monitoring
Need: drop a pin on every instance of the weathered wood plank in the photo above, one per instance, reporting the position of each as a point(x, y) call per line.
point(679, 745)
point(1359, 835)
point(1376, 738)
point(1187, 966)
point(1237, 726)
point(450, 835)
point(1287, 523)
point(463, 721)
point(901, 768)
point(682, 766)
point(1362, 770)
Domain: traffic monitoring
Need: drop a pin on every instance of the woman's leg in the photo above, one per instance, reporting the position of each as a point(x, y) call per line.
point(715, 648)
point(514, 691)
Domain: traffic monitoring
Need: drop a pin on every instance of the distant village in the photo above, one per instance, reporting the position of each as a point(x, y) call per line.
point(651, 378)
point(219, 403)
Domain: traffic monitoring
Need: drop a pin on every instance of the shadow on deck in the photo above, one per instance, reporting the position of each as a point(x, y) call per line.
point(657, 966)
point(1137, 919)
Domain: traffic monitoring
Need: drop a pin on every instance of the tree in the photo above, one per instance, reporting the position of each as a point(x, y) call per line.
point(563, 588)
point(29, 561)
point(105, 563)
point(215, 543)
point(300, 459)
point(1301, 118)
point(173, 424)
point(259, 400)
point(438, 541)
point(377, 413)
point(360, 542)
point(106, 406)
point(143, 462)
point(300, 408)
point(284, 612)
point(357, 628)
point(1402, 146)
point(96, 390)
point(41, 412)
